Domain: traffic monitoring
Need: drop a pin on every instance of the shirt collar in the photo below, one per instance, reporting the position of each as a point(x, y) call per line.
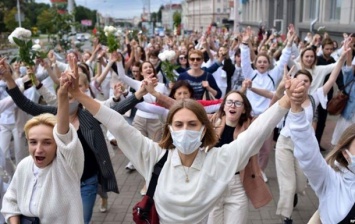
point(197, 164)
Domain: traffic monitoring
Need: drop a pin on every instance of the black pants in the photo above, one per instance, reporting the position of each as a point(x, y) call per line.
point(322, 118)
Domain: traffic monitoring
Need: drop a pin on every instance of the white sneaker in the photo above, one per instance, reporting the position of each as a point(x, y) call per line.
point(264, 176)
point(130, 167)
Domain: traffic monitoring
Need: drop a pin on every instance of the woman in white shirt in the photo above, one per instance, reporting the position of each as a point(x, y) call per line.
point(46, 184)
point(195, 174)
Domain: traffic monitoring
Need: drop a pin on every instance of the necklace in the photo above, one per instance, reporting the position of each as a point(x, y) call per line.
point(186, 174)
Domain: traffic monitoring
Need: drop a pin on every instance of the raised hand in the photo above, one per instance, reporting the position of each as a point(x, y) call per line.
point(64, 83)
point(118, 89)
point(73, 75)
point(5, 71)
point(296, 92)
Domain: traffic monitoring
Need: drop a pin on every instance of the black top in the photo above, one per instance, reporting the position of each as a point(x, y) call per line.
point(227, 136)
point(350, 218)
point(90, 164)
point(323, 61)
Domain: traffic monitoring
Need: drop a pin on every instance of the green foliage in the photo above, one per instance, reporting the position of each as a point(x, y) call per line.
point(26, 54)
point(102, 37)
point(168, 69)
point(112, 43)
point(45, 21)
point(177, 18)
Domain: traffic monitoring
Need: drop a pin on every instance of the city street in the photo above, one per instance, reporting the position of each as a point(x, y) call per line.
point(120, 206)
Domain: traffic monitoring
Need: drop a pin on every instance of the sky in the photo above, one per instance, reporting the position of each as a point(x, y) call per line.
point(120, 8)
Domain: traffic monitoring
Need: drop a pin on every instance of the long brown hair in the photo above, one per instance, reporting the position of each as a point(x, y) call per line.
point(210, 137)
point(336, 154)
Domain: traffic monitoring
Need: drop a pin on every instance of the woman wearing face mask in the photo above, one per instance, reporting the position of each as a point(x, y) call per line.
point(291, 179)
point(233, 118)
point(333, 178)
point(46, 184)
point(97, 167)
point(195, 174)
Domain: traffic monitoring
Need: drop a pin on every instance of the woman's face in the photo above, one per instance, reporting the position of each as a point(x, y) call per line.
point(183, 59)
point(82, 85)
point(308, 59)
point(147, 69)
point(237, 59)
point(154, 60)
point(41, 145)
point(182, 93)
point(195, 61)
point(262, 64)
point(185, 119)
point(135, 72)
point(305, 79)
point(234, 107)
point(222, 51)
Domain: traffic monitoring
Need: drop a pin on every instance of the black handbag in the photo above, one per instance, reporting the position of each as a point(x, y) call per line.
point(29, 220)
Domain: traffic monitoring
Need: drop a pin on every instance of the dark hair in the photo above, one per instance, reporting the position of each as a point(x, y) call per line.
point(247, 107)
point(304, 72)
point(142, 58)
point(141, 69)
point(327, 41)
point(153, 53)
point(237, 52)
point(187, 60)
point(178, 84)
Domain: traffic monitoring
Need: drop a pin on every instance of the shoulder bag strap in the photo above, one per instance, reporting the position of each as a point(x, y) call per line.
point(155, 175)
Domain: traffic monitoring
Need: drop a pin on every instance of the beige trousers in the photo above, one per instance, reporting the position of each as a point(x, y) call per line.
point(290, 177)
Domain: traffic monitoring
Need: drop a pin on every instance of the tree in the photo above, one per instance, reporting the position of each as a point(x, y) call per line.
point(83, 13)
point(177, 18)
point(44, 21)
point(159, 13)
point(11, 23)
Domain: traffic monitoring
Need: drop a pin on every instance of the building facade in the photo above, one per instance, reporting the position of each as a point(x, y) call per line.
point(337, 16)
point(197, 15)
point(167, 15)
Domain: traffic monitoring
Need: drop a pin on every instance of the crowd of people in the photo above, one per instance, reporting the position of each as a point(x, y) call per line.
point(233, 98)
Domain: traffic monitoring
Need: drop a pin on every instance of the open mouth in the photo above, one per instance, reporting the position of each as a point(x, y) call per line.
point(232, 112)
point(39, 159)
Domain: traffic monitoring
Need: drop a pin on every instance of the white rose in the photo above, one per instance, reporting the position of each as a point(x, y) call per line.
point(162, 56)
point(106, 29)
point(111, 29)
point(106, 34)
point(11, 39)
point(36, 47)
point(170, 55)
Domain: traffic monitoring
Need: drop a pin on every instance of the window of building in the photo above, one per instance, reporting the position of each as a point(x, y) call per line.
point(218, 10)
point(335, 9)
point(225, 10)
point(218, 1)
point(311, 8)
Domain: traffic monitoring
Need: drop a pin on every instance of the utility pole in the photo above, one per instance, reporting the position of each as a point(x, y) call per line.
point(19, 13)
point(71, 12)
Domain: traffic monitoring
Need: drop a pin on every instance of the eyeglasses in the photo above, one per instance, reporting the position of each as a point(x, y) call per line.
point(235, 103)
point(195, 59)
point(134, 71)
point(182, 57)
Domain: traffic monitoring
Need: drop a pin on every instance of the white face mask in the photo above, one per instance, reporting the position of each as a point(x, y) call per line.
point(351, 165)
point(73, 107)
point(187, 141)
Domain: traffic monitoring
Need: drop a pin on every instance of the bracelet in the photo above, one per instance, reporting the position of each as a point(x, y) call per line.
point(39, 86)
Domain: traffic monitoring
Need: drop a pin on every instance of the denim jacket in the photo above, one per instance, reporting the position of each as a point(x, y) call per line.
point(349, 109)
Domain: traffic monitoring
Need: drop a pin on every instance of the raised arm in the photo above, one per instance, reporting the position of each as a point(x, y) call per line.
point(247, 70)
point(20, 100)
point(335, 73)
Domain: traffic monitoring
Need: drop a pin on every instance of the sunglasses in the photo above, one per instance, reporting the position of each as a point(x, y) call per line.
point(195, 59)
point(182, 57)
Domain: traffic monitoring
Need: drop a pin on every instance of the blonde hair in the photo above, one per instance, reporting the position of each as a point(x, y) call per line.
point(45, 119)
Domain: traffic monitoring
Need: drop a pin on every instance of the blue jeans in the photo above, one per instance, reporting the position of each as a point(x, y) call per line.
point(88, 196)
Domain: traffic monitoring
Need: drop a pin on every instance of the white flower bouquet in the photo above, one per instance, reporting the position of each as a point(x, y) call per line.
point(112, 42)
point(27, 51)
point(168, 67)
